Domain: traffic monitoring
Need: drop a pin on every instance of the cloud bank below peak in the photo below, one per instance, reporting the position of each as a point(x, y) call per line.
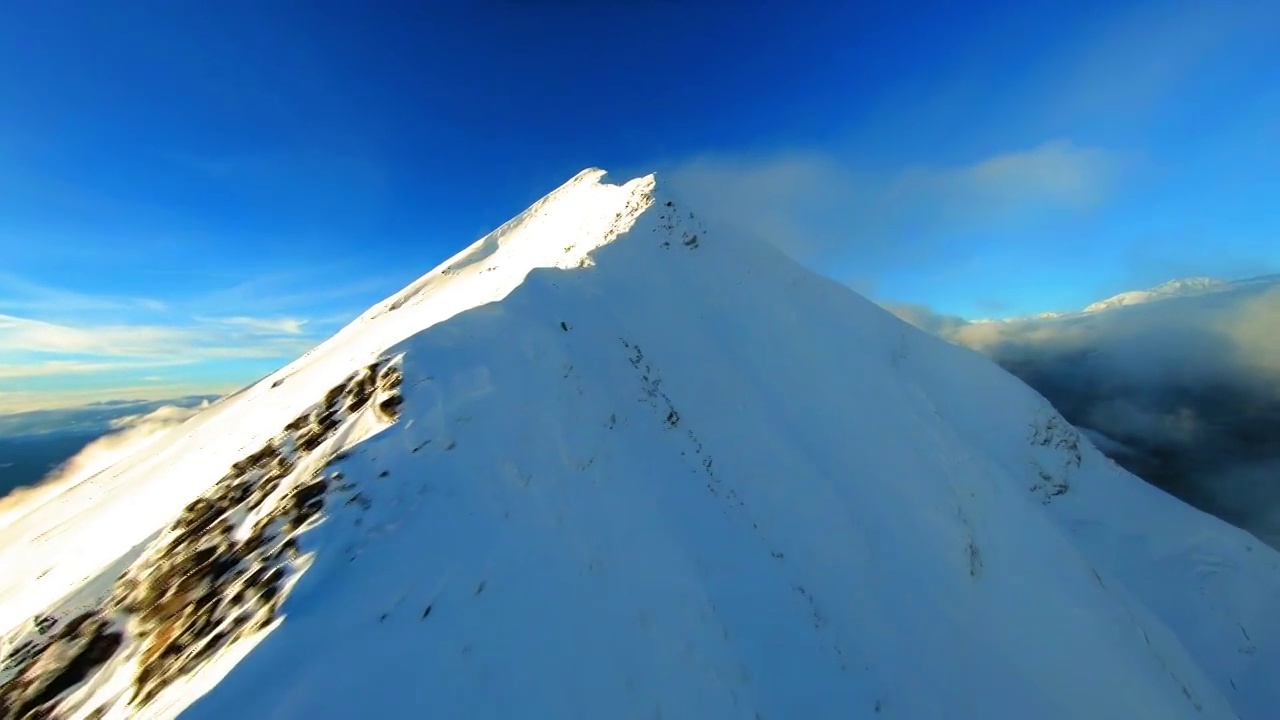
point(1184, 389)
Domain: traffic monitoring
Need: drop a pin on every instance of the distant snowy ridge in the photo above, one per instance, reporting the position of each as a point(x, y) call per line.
point(1183, 286)
point(1183, 289)
point(610, 462)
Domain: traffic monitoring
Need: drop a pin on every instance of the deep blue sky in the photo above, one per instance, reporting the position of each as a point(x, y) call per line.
point(222, 184)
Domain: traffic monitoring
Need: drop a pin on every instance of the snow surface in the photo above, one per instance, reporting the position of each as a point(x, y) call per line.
point(609, 463)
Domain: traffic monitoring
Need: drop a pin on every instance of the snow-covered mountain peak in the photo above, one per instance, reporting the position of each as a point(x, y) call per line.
point(557, 231)
point(1172, 288)
point(610, 462)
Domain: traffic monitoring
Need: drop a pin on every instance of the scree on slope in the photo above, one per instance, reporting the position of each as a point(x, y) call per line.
point(612, 461)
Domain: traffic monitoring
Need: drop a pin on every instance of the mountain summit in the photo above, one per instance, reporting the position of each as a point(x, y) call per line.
point(608, 462)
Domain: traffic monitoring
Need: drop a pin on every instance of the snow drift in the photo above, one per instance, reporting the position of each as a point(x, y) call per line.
point(607, 462)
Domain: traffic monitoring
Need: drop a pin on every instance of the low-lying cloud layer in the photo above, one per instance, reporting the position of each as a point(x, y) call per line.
point(1186, 390)
point(131, 434)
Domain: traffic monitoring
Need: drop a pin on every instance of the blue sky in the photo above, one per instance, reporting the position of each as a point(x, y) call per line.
point(193, 194)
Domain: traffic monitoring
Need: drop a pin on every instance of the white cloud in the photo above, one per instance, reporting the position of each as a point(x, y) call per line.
point(50, 335)
point(775, 197)
point(1189, 384)
point(49, 368)
point(265, 326)
point(242, 337)
point(164, 416)
point(28, 335)
point(1255, 331)
point(1053, 173)
point(1230, 336)
point(121, 360)
point(276, 297)
point(20, 295)
point(820, 206)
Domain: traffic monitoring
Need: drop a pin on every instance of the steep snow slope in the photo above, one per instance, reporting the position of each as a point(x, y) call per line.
point(668, 474)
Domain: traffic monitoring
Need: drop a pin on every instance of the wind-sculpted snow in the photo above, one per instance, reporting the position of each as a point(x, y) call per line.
point(608, 462)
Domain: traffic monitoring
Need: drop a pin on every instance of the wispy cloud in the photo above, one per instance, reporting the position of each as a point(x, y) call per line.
point(15, 401)
point(21, 295)
point(822, 206)
point(128, 434)
point(318, 285)
point(62, 368)
point(1053, 174)
point(264, 326)
point(780, 196)
point(233, 337)
point(37, 336)
point(54, 343)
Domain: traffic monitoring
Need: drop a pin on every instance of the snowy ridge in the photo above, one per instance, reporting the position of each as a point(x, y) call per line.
point(1182, 286)
point(607, 462)
point(136, 497)
point(1188, 293)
